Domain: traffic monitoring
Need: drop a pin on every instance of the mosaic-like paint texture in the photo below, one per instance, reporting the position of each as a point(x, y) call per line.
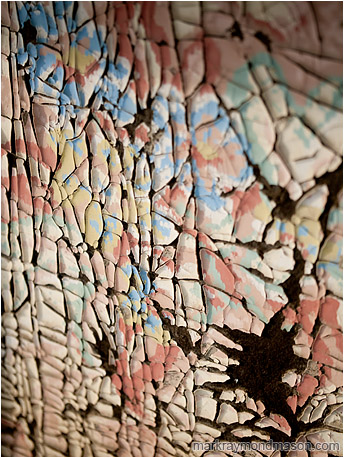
point(171, 226)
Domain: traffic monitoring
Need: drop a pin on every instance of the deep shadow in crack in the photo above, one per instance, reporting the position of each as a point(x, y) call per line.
point(29, 33)
point(263, 362)
point(144, 115)
point(236, 31)
point(334, 182)
point(292, 286)
point(265, 39)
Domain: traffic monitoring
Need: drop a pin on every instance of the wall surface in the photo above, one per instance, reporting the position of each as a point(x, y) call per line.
point(171, 225)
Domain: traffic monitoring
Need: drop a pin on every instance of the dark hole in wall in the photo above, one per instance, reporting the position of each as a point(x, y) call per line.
point(261, 36)
point(29, 33)
point(263, 362)
point(334, 182)
point(236, 31)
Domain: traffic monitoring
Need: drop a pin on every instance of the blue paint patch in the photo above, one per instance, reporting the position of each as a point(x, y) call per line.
point(57, 78)
point(59, 8)
point(160, 223)
point(210, 109)
point(159, 105)
point(135, 299)
point(153, 322)
point(127, 104)
point(125, 117)
point(95, 225)
point(76, 146)
point(112, 224)
point(302, 231)
point(146, 281)
point(120, 71)
point(177, 114)
point(84, 32)
point(108, 237)
point(22, 14)
point(38, 20)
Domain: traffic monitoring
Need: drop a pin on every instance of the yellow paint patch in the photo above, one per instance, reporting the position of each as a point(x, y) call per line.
point(206, 151)
point(111, 246)
point(94, 223)
point(80, 200)
point(66, 166)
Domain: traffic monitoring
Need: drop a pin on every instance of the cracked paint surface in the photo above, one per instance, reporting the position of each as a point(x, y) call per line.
point(171, 225)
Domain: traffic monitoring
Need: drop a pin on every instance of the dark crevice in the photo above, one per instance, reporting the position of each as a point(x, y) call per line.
point(102, 349)
point(334, 182)
point(145, 116)
point(292, 286)
point(29, 33)
point(181, 335)
point(263, 362)
point(236, 31)
point(285, 207)
point(261, 36)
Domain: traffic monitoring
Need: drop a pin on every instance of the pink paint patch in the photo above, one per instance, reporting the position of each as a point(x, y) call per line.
point(215, 272)
point(329, 311)
point(157, 372)
point(306, 388)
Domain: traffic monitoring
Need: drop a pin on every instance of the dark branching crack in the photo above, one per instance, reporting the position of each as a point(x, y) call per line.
point(263, 362)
